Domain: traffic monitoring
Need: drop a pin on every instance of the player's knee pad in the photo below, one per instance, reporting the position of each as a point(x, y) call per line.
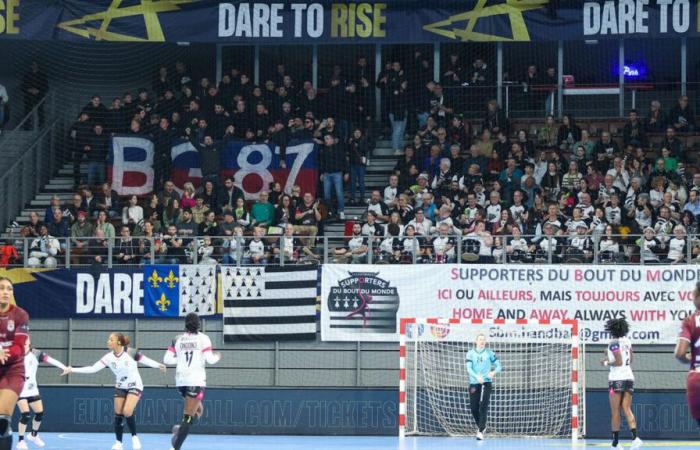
point(38, 416)
point(25, 417)
point(5, 429)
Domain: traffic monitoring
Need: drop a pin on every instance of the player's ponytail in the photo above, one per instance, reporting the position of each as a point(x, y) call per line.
point(192, 323)
point(122, 339)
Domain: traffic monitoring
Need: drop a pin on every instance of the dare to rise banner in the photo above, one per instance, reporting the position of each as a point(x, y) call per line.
point(366, 303)
point(389, 21)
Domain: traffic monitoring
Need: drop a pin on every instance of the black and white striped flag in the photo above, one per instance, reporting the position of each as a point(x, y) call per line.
point(269, 303)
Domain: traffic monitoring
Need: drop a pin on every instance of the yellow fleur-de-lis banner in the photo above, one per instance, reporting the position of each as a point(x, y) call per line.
point(161, 293)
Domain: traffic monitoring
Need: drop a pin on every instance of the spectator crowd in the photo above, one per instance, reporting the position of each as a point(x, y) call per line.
point(474, 190)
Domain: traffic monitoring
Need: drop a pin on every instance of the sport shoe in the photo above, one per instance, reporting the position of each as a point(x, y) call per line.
point(135, 443)
point(22, 445)
point(36, 440)
point(636, 443)
point(117, 446)
point(479, 436)
point(341, 215)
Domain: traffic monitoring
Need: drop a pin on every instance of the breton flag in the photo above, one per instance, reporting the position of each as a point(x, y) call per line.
point(175, 291)
point(269, 303)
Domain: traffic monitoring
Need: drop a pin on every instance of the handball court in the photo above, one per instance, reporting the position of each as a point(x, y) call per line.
point(97, 441)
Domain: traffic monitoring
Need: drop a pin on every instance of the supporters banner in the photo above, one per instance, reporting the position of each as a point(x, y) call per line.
point(86, 292)
point(253, 166)
point(366, 302)
point(269, 303)
point(334, 22)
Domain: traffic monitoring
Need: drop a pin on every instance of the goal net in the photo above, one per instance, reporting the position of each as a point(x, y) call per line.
point(537, 393)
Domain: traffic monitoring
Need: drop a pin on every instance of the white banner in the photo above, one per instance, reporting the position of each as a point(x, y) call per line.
point(366, 302)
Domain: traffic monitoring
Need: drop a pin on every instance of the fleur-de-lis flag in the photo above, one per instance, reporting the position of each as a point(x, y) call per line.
point(161, 293)
point(175, 291)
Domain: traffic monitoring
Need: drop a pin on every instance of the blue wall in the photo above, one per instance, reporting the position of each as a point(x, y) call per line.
point(660, 415)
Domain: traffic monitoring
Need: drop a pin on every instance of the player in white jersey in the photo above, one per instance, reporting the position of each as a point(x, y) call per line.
point(619, 357)
point(123, 362)
point(30, 397)
point(190, 352)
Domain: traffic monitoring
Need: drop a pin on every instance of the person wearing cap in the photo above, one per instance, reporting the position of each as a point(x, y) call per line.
point(581, 246)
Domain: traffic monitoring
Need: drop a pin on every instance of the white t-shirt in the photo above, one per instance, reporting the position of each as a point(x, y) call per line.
point(123, 366)
point(623, 372)
point(191, 352)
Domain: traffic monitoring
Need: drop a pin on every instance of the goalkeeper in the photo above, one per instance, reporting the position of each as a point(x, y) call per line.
point(482, 366)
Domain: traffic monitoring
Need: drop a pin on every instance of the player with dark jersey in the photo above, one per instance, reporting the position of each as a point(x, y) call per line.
point(688, 352)
point(14, 332)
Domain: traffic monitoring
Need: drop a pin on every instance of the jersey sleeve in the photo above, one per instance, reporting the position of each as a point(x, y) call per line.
point(470, 365)
point(99, 365)
point(686, 332)
point(146, 361)
point(614, 347)
point(495, 362)
point(170, 357)
point(21, 319)
point(208, 351)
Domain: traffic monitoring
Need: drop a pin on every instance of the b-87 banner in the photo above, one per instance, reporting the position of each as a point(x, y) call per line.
point(253, 166)
point(366, 302)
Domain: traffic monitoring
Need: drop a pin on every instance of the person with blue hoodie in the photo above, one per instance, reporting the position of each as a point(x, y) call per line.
point(482, 366)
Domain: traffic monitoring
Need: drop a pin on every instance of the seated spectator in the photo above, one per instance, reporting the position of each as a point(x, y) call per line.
point(673, 144)
point(411, 249)
point(43, 250)
point(148, 244)
point(171, 213)
point(682, 117)
point(105, 226)
point(443, 246)
point(495, 119)
point(518, 248)
point(548, 134)
point(656, 121)
point(650, 248)
point(609, 247)
point(188, 196)
point(284, 212)
point(81, 232)
point(199, 210)
point(209, 197)
point(634, 131)
point(210, 227)
point(108, 201)
point(307, 217)
point(420, 224)
point(387, 252)
point(287, 247)
point(228, 195)
point(377, 206)
point(484, 242)
point(205, 251)
point(132, 215)
point(549, 245)
point(258, 250)
point(234, 246)
point(494, 167)
point(391, 192)
point(356, 248)
point(8, 252)
point(59, 227)
point(484, 144)
point(187, 228)
point(54, 203)
point(172, 248)
point(262, 213)
point(98, 252)
point(76, 205)
point(568, 133)
point(580, 249)
point(126, 249)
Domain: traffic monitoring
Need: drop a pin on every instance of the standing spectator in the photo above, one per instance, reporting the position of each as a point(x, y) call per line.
point(35, 86)
point(681, 117)
point(210, 156)
point(96, 149)
point(358, 152)
point(332, 162)
point(96, 109)
point(454, 74)
point(79, 137)
point(397, 87)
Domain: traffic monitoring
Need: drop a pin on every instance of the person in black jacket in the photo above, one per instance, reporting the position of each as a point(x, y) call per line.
point(126, 250)
point(358, 150)
point(96, 151)
point(228, 196)
point(35, 85)
point(332, 161)
point(209, 157)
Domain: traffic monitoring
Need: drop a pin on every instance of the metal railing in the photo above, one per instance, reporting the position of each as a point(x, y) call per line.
point(248, 250)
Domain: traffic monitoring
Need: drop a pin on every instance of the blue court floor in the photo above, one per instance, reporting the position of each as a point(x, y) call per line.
point(94, 441)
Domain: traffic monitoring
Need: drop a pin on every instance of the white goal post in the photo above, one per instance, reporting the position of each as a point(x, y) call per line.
point(537, 394)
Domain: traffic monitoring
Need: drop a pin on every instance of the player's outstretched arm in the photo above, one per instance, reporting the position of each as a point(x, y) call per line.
point(146, 361)
point(99, 365)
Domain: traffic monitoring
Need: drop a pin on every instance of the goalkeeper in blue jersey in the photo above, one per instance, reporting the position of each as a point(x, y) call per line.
point(482, 366)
